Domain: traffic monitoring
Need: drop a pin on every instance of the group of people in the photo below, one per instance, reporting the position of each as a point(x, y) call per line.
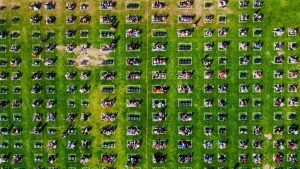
point(134, 159)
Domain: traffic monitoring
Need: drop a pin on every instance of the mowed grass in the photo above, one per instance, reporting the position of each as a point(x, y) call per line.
point(276, 14)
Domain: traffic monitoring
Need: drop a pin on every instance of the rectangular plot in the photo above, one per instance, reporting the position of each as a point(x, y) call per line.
point(185, 60)
point(107, 34)
point(15, 34)
point(136, 116)
point(17, 117)
point(3, 20)
point(158, 33)
point(184, 33)
point(133, 88)
point(159, 19)
point(159, 61)
point(108, 19)
point(3, 117)
point(4, 144)
point(185, 102)
point(3, 62)
point(107, 89)
point(132, 5)
point(108, 62)
point(185, 18)
point(108, 144)
point(3, 48)
point(106, 48)
point(52, 130)
point(159, 103)
point(3, 89)
point(184, 47)
point(159, 75)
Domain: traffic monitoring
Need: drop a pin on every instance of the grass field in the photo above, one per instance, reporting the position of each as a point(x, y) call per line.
point(283, 14)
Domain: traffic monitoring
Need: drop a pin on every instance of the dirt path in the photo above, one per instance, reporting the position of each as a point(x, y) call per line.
point(268, 136)
point(92, 56)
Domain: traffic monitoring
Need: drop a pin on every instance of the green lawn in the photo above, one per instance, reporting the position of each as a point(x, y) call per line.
point(277, 14)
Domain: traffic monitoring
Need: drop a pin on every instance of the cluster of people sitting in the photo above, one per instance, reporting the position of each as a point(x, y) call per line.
point(185, 130)
point(108, 158)
point(133, 160)
point(159, 144)
point(279, 158)
point(243, 32)
point(293, 31)
point(107, 102)
point(108, 116)
point(133, 46)
point(50, 5)
point(50, 19)
point(185, 158)
point(70, 6)
point(71, 47)
point(133, 102)
point(85, 19)
point(159, 158)
point(108, 19)
point(108, 75)
point(185, 18)
point(160, 89)
point(159, 18)
point(133, 130)
point(35, 19)
point(133, 61)
point(159, 103)
point(133, 18)
point(159, 116)
point(244, 18)
point(208, 18)
point(108, 130)
point(185, 4)
point(159, 60)
point(208, 32)
point(159, 46)
point(17, 158)
point(159, 75)
point(133, 33)
point(107, 5)
point(184, 144)
point(185, 88)
point(159, 130)
point(222, 3)
point(134, 144)
point(258, 17)
point(35, 6)
point(223, 45)
point(278, 31)
point(159, 4)
point(185, 116)
point(15, 48)
point(244, 3)
point(134, 75)
point(258, 3)
point(185, 32)
point(110, 47)
point(185, 74)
